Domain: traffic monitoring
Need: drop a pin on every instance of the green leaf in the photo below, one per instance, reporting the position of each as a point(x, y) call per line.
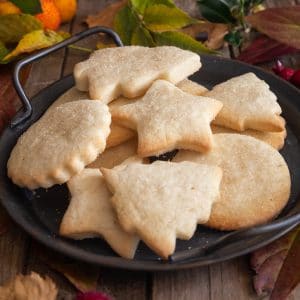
point(142, 37)
point(28, 6)
point(163, 18)
point(234, 38)
point(181, 40)
point(3, 51)
point(216, 11)
point(125, 23)
point(141, 5)
point(281, 24)
point(35, 40)
point(13, 27)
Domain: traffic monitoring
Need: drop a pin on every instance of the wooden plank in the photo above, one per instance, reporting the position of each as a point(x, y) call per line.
point(232, 280)
point(182, 284)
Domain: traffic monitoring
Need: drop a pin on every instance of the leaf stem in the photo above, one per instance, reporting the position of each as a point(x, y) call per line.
point(81, 48)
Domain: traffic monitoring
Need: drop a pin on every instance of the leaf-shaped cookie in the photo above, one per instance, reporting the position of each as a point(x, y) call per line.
point(60, 144)
point(130, 70)
point(167, 118)
point(163, 200)
point(248, 103)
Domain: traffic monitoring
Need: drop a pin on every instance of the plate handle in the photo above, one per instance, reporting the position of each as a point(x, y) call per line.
point(288, 222)
point(27, 108)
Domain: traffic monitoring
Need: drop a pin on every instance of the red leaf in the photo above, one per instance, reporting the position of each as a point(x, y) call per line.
point(280, 23)
point(264, 49)
point(8, 97)
point(277, 266)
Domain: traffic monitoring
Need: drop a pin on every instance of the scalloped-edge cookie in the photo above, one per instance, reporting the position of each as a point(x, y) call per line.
point(163, 200)
point(90, 214)
point(130, 71)
point(256, 181)
point(167, 118)
point(60, 144)
point(275, 139)
point(248, 103)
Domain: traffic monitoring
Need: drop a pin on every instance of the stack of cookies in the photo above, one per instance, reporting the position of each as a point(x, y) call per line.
point(134, 102)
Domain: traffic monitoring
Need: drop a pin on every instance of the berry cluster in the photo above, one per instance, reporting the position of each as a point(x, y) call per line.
point(288, 74)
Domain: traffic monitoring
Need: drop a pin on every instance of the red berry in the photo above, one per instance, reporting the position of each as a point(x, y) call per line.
point(278, 67)
point(92, 296)
point(286, 73)
point(296, 78)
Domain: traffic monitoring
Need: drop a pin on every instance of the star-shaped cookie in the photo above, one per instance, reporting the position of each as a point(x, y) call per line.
point(90, 214)
point(130, 71)
point(163, 200)
point(248, 104)
point(167, 118)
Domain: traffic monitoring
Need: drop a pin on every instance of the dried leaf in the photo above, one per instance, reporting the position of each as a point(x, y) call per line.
point(277, 266)
point(106, 16)
point(281, 24)
point(13, 27)
point(181, 40)
point(35, 40)
point(264, 49)
point(215, 33)
point(163, 18)
point(83, 277)
point(31, 286)
point(8, 96)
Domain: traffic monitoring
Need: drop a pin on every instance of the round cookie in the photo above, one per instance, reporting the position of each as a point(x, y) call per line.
point(60, 144)
point(255, 185)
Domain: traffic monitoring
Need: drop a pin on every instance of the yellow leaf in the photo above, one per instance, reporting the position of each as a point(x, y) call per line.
point(31, 286)
point(35, 40)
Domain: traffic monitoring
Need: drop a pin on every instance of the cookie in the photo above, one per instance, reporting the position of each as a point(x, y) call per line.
point(162, 201)
point(275, 139)
point(167, 118)
point(192, 87)
point(255, 185)
point(115, 155)
point(90, 214)
point(248, 103)
point(130, 70)
point(60, 144)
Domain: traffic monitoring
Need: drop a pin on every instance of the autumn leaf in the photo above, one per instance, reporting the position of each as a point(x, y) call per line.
point(35, 40)
point(264, 49)
point(29, 7)
point(106, 16)
point(163, 18)
point(13, 27)
point(281, 24)
point(8, 96)
point(181, 40)
point(31, 286)
point(277, 266)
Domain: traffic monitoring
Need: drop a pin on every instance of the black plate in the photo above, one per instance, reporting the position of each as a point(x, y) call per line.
point(39, 213)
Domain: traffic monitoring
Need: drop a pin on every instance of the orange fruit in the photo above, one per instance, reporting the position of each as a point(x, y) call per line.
point(50, 17)
point(67, 9)
point(7, 8)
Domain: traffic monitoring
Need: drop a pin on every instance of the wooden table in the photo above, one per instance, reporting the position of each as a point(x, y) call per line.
point(20, 253)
